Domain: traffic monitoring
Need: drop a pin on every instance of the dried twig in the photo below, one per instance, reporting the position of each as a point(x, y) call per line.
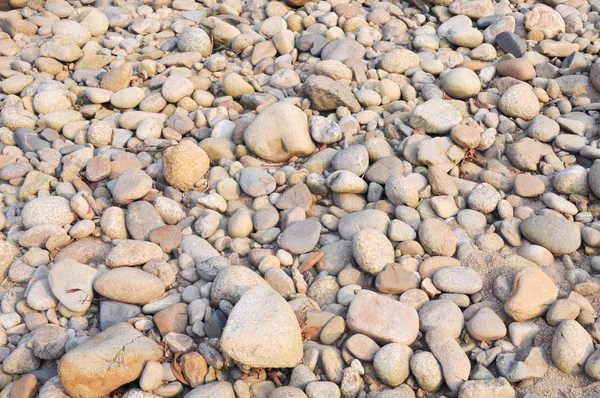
point(275, 377)
point(149, 148)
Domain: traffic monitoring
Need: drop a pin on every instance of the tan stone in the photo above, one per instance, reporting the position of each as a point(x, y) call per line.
point(194, 368)
point(184, 165)
point(25, 387)
point(172, 319)
point(107, 361)
point(533, 292)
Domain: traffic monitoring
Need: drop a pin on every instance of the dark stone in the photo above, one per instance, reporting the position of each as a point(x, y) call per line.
point(312, 43)
point(547, 70)
point(83, 74)
point(69, 149)
point(29, 141)
point(253, 100)
point(511, 44)
point(112, 312)
point(213, 327)
point(50, 135)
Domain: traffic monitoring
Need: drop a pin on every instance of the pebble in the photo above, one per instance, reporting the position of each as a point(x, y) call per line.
point(437, 238)
point(486, 325)
point(47, 210)
point(391, 363)
point(461, 83)
point(519, 101)
point(556, 234)
point(528, 186)
point(300, 237)
point(129, 285)
point(68, 275)
point(454, 362)
point(524, 364)
point(533, 293)
point(426, 369)
point(499, 387)
point(398, 60)
point(279, 144)
point(122, 341)
point(460, 280)
point(435, 116)
point(571, 347)
point(184, 165)
point(195, 40)
point(278, 330)
point(372, 251)
point(387, 320)
point(131, 185)
point(441, 314)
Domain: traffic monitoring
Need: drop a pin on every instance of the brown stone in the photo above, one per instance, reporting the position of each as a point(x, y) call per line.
point(117, 167)
point(85, 251)
point(594, 76)
point(172, 319)
point(167, 237)
point(25, 387)
point(310, 261)
point(118, 78)
point(466, 136)
point(528, 186)
point(97, 168)
point(297, 196)
point(12, 26)
point(194, 368)
point(430, 265)
point(396, 279)
point(5, 159)
point(107, 361)
point(346, 10)
point(519, 68)
point(532, 294)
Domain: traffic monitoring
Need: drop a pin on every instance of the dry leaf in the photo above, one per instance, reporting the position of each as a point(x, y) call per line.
point(176, 368)
point(310, 332)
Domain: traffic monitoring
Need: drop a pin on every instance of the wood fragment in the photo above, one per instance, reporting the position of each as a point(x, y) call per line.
point(310, 261)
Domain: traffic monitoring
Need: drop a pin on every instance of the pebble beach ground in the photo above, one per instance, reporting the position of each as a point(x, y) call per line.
point(332, 199)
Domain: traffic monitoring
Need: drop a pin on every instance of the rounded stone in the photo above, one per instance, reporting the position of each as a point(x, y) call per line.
point(486, 325)
point(392, 363)
point(462, 280)
point(436, 116)
point(372, 250)
point(461, 83)
point(399, 60)
point(594, 177)
point(279, 132)
point(441, 313)
point(519, 101)
point(427, 371)
point(572, 345)
point(129, 285)
point(437, 238)
point(176, 87)
point(195, 40)
point(558, 235)
point(184, 165)
point(47, 210)
point(262, 331)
